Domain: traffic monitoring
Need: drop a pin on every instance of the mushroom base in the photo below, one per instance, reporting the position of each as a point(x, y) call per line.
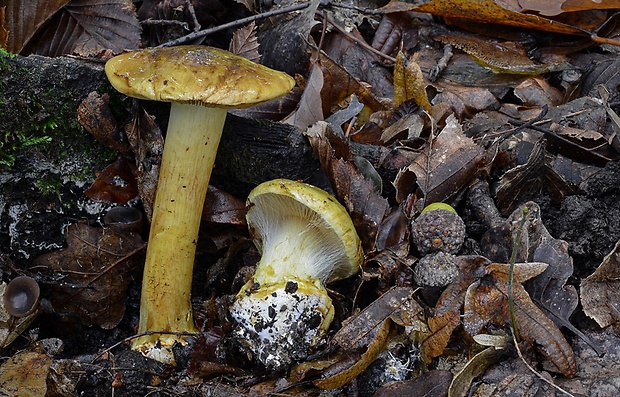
point(281, 323)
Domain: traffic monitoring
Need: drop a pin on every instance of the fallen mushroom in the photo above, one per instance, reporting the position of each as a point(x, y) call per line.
point(307, 240)
point(201, 82)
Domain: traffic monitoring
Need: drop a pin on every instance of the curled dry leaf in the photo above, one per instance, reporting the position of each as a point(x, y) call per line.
point(482, 289)
point(147, 144)
point(447, 164)
point(532, 324)
point(357, 328)
point(357, 193)
point(500, 57)
point(600, 291)
point(72, 27)
point(433, 383)
point(96, 270)
point(488, 11)
point(337, 376)
point(222, 207)
point(114, 184)
point(245, 43)
point(459, 387)
point(409, 83)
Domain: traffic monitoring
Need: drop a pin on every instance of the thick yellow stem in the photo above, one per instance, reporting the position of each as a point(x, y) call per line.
point(189, 153)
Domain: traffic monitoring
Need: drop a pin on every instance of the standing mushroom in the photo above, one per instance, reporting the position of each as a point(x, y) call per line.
point(307, 240)
point(202, 83)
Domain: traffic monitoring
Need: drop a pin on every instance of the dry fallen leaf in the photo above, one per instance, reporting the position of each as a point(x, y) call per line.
point(556, 7)
point(447, 164)
point(600, 291)
point(487, 11)
point(96, 270)
point(25, 375)
point(409, 83)
point(533, 325)
point(358, 327)
point(245, 43)
point(84, 27)
point(114, 184)
point(433, 383)
point(222, 207)
point(357, 193)
point(500, 57)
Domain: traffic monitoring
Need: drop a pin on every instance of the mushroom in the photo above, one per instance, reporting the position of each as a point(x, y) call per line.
point(307, 240)
point(21, 296)
point(202, 83)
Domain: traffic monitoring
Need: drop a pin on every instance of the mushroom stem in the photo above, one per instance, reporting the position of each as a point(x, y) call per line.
point(189, 153)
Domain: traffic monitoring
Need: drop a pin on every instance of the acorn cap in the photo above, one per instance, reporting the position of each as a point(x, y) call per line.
point(283, 206)
point(438, 228)
point(195, 74)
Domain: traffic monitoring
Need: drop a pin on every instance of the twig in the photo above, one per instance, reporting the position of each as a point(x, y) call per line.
point(360, 42)
point(240, 22)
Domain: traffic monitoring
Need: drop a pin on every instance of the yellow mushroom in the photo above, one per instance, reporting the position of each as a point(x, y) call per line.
point(307, 240)
point(202, 83)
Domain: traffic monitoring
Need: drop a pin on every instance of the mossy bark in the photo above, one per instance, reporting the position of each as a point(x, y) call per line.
point(47, 160)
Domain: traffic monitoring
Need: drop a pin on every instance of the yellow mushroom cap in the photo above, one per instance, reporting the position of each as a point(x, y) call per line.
point(195, 74)
point(323, 242)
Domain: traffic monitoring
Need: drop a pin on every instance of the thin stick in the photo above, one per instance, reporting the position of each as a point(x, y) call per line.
point(362, 43)
point(206, 32)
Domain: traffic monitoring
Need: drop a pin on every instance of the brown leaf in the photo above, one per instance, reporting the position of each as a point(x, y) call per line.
point(245, 43)
point(96, 270)
point(357, 193)
point(342, 51)
point(357, 328)
point(147, 144)
point(409, 83)
point(447, 164)
point(88, 28)
point(114, 184)
point(484, 304)
point(487, 11)
point(441, 328)
point(555, 7)
point(340, 84)
point(95, 115)
point(465, 101)
point(536, 91)
point(344, 375)
point(310, 108)
point(535, 327)
point(475, 367)
point(222, 207)
point(501, 57)
point(433, 383)
point(600, 291)
point(22, 22)
point(84, 27)
point(25, 374)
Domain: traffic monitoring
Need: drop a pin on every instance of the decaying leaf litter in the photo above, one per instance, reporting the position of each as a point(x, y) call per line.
point(504, 109)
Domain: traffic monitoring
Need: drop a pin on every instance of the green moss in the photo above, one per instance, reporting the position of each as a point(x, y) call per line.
point(50, 185)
